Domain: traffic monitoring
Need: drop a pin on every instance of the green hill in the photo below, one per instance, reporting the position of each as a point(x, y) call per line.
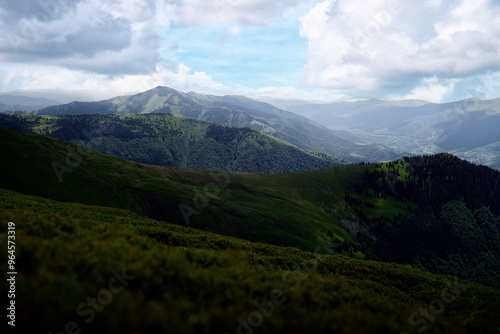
point(263, 207)
point(437, 213)
point(101, 270)
point(452, 219)
point(176, 141)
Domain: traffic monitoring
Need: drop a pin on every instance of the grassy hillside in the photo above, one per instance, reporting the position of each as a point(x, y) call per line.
point(176, 279)
point(176, 141)
point(279, 209)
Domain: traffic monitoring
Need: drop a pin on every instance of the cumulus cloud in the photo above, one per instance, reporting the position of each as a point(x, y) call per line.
point(114, 37)
point(431, 49)
point(431, 89)
point(53, 77)
point(106, 37)
point(357, 46)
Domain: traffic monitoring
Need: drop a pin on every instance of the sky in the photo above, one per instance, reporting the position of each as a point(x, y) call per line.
point(434, 50)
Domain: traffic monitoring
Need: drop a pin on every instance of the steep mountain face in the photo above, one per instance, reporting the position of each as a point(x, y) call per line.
point(170, 140)
point(234, 111)
point(468, 129)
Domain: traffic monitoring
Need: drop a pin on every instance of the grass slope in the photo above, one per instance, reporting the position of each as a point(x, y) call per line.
point(283, 209)
point(183, 280)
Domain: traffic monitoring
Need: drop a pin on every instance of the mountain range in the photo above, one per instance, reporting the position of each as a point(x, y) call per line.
point(468, 128)
point(234, 111)
point(360, 130)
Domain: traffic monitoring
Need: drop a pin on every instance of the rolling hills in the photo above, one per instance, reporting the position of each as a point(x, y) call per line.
point(364, 211)
point(234, 111)
point(263, 207)
point(171, 140)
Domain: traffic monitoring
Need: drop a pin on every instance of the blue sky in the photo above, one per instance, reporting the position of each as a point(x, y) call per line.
point(434, 50)
point(252, 57)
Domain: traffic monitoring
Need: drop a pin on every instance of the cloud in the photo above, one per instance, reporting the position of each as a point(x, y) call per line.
point(431, 89)
point(106, 37)
point(114, 37)
point(53, 77)
point(355, 46)
point(230, 12)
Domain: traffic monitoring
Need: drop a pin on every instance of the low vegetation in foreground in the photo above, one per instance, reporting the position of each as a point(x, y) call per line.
point(106, 270)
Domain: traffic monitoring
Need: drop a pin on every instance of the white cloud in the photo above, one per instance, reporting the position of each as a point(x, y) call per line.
point(285, 92)
point(432, 90)
point(100, 86)
point(52, 77)
point(355, 46)
point(229, 12)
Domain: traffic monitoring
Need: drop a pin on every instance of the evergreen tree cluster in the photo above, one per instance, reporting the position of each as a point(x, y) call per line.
point(456, 226)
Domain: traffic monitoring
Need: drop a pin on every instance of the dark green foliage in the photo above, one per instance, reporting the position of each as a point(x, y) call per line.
point(459, 224)
point(432, 181)
point(454, 230)
point(489, 225)
point(190, 281)
point(168, 140)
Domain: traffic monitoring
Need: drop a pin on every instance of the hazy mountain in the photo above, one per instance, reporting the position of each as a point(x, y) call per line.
point(23, 103)
point(64, 95)
point(285, 104)
point(468, 128)
point(171, 140)
point(235, 111)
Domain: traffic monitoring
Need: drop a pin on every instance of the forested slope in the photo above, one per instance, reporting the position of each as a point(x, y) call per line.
point(171, 140)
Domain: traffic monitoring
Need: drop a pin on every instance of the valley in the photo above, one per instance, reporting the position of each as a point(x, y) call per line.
point(468, 128)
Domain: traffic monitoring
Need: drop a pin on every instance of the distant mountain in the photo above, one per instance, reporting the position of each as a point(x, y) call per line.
point(64, 95)
point(234, 111)
point(171, 140)
point(23, 103)
point(469, 128)
point(284, 103)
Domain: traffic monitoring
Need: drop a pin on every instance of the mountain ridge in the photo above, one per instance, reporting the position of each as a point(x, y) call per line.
point(166, 139)
point(278, 123)
point(419, 129)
